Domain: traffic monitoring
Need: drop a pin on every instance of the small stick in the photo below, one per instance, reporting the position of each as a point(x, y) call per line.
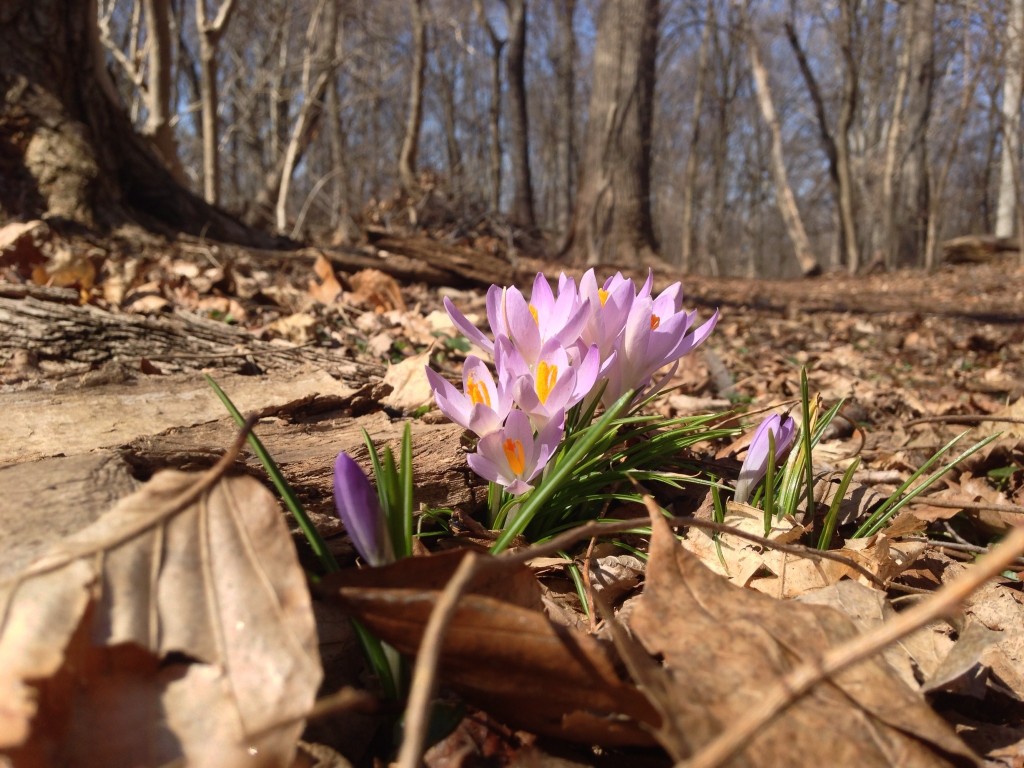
point(804, 677)
point(424, 676)
point(963, 419)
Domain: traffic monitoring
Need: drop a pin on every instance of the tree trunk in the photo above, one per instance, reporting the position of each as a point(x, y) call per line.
point(317, 75)
point(690, 174)
point(1009, 111)
point(158, 95)
point(414, 119)
point(67, 148)
point(209, 38)
point(522, 198)
point(784, 196)
point(912, 201)
point(612, 220)
point(494, 109)
point(565, 76)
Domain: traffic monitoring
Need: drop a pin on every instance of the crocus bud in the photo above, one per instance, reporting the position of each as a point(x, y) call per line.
point(359, 509)
point(756, 464)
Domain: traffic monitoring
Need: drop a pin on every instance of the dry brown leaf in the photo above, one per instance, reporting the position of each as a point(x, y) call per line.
point(500, 650)
point(326, 288)
point(376, 289)
point(409, 382)
point(725, 646)
point(177, 626)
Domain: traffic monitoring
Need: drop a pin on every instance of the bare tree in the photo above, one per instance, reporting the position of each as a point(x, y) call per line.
point(210, 34)
point(836, 142)
point(414, 117)
point(696, 114)
point(911, 206)
point(494, 112)
point(79, 157)
point(519, 132)
point(784, 196)
point(1009, 111)
point(612, 220)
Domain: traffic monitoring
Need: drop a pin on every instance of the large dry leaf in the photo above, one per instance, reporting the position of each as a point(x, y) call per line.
point(178, 625)
point(500, 650)
point(724, 647)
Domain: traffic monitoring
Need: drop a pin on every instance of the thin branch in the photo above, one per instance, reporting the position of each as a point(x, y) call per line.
point(800, 680)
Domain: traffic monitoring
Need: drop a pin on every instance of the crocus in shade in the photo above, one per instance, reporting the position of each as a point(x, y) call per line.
point(359, 510)
point(482, 405)
point(756, 464)
point(513, 456)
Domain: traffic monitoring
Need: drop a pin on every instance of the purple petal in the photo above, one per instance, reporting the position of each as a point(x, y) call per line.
point(359, 510)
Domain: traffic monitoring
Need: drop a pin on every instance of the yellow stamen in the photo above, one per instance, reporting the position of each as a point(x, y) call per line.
point(602, 294)
point(514, 453)
point(477, 392)
point(533, 311)
point(655, 321)
point(547, 377)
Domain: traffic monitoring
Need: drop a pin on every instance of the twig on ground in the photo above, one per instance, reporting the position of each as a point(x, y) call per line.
point(973, 506)
point(963, 419)
point(804, 677)
point(424, 676)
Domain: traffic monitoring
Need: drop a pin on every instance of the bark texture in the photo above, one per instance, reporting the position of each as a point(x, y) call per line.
point(612, 221)
point(519, 130)
point(67, 148)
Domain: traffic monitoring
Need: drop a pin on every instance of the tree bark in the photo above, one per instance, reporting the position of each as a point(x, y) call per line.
point(784, 196)
point(612, 220)
point(158, 94)
point(494, 110)
point(912, 203)
point(565, 76)
point(209, 38)
point(67, 148)
point(697, 109)
point(414, 120)
point(1009, 111)
point(317, 75)
point(522, 213)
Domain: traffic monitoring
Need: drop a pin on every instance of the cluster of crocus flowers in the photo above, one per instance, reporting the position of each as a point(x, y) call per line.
point(775, 428)
point(553, 351)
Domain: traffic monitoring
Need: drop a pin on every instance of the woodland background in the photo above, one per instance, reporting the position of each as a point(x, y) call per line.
point(732, 138)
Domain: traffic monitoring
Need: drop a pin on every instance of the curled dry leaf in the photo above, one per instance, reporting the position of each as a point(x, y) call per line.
point(500, 651)
point(177, 626)
point(725, 646)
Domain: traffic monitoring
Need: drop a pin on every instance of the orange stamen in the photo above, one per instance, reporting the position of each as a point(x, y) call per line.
point(515, 455)
point(533, 311)
point(602, 294)
point(547, 377)
point(477, 392)
point(655, 321)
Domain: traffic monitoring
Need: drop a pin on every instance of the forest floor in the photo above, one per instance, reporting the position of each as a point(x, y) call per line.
point(103, 351)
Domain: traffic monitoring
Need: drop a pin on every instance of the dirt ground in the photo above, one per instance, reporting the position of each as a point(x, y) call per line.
point(104, 344)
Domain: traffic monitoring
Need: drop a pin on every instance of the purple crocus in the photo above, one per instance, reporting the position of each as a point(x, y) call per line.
point(529, 324)
point(513, 456)
point(755, 465)
point(482, 405)
point(359, 509)
point(554, 384)
point(657, 333)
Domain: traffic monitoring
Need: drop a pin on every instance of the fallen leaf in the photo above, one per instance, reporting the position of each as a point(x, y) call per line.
point(377, 290)
point(176, 626)
point(326, 288)
point(410, 386)
point(501, 651)
point(724, 647)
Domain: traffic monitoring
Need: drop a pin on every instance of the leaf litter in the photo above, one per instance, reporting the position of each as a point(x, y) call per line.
point(847, 358)
point(177, 626)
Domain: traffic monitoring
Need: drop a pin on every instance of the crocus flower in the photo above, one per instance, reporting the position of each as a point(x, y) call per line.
point(554, 384)
point(529, 324)
point(755, 465)
point(482, 405)
point(359, 509)
point(513, 456)
point(656, 334)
